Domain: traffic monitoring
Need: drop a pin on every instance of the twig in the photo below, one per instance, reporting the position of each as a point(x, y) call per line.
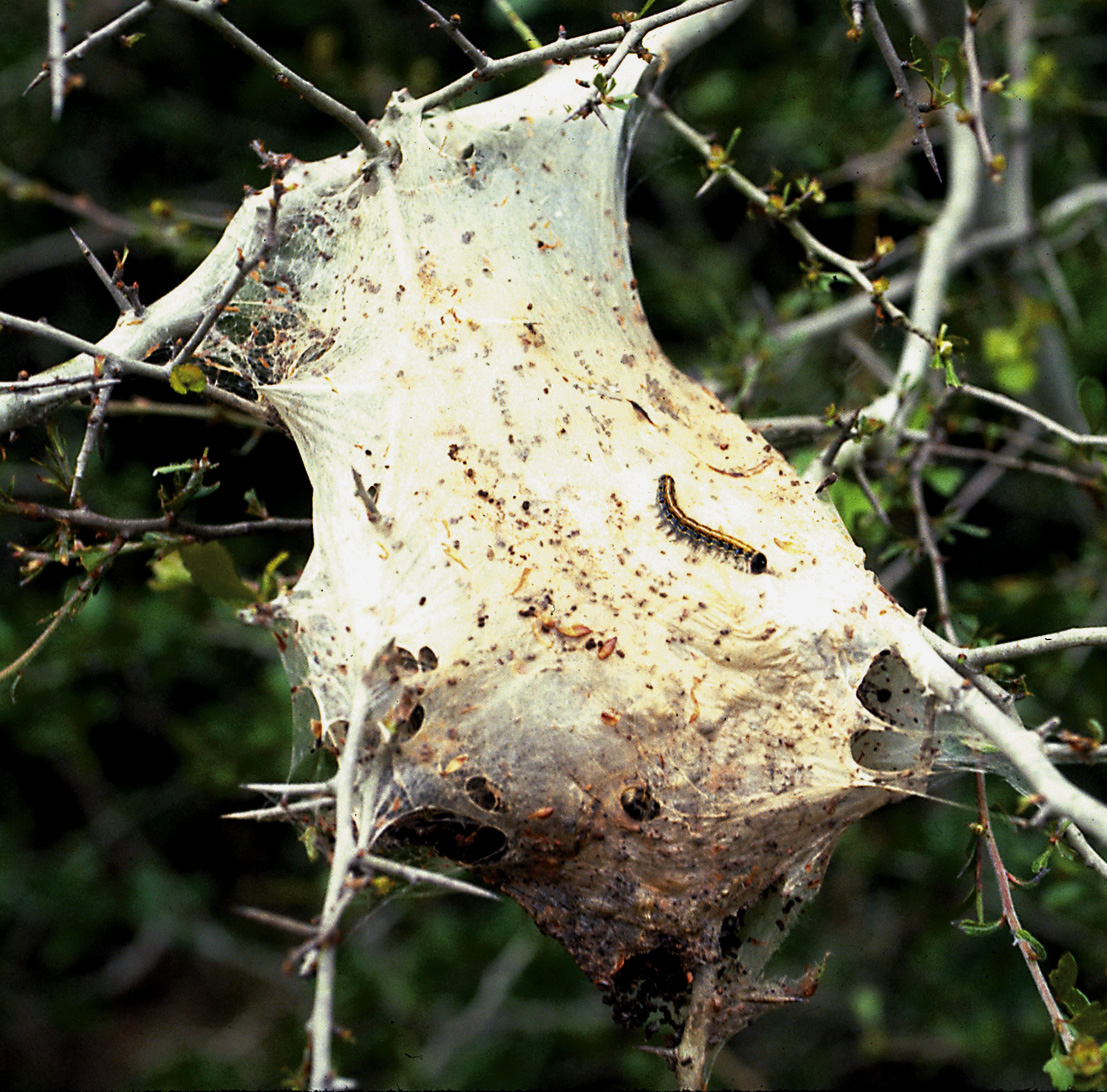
point(563, 49)
point(1018, 35)
point(517, 23)
point(1034, 646)
point(422, 875)
point(92, 428)
point(823, 463)
point(475, 1022)
point(1076, 750)
point(1011, 917)
point(804, 237)
point(105, 32)
point(55, 52)
point(1078, 438)
point(801, 422)
point(926, 537)
point(130, 529)
point(243, 266)
point(452, 31)
point(206, 11)
point(1075, 837)
point(127, 365)
point(144, 407)
point(84, 589)
point(121, 301)
point(976, 97)
point(1014, 462)
point(280, 811)
point(870, 495)
point(293, 788)
point(1055, 216)
point(276, 921)
point(632, 42)
point(903, 91)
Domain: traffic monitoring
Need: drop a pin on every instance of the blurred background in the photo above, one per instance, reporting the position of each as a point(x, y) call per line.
point(123, 960)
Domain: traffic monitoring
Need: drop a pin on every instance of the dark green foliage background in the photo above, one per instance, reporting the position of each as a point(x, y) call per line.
point(122, 962)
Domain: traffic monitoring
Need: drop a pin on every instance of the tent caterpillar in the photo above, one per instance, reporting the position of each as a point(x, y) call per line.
point(683, 524)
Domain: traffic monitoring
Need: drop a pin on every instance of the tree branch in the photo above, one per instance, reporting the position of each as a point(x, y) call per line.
point(108, 30)
point(564, 49)
point(452, 30)
point(992, 164)
point(1080, 439)
point(55, 13)
point(130, 529)
point(903, 91)
point(1011, 917)
point(84, 589)
point(207, 12)
point(1085, 637)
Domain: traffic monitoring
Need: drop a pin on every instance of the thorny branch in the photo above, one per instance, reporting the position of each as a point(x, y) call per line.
point(207, 12)
point(55, 13)
point(903, 90)
point(565, 49)
point(67, 609)
point(115, 365)
point(877, 296)
point(1011, 917)
point(48, 390)
point(1034, 646)
point(278, 164)
point(452, 29)
point(121, 301)
point(992, 164)
point(92, 428)
point(128, 530)
point(104, 34)
point(321, 958)
point(1056, 215)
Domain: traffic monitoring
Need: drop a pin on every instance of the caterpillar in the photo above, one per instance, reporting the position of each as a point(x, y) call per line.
point(683, 524)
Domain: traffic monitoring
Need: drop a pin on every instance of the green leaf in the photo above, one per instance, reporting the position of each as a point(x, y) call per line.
point(1041, 862)
point(1059, 1073)
point(269, 586)
point(973, 530)
point(978, 928)
point(1091, 1021)
point(1063, 978)
point(255, 506)
point(944, 480)
point(1093, 401)
point(1035, 944)
point(92, 556)
point(168, 573)
point(212, 570)
point(188, 379)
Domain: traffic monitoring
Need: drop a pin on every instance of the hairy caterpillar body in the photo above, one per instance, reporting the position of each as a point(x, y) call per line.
point(683, 524)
